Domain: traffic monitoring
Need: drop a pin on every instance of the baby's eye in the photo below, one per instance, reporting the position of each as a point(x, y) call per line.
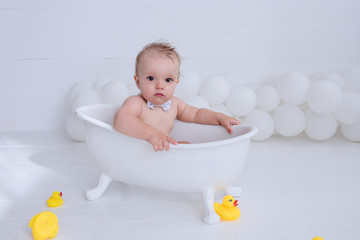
point(150, 78)
point(169, 80)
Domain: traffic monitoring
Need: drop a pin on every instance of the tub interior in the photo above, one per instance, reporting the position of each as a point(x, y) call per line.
point(199, 133)
point(99, 114)
point(103, 115)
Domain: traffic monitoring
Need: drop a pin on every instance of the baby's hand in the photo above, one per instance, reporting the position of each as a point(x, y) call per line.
point(160, 141)
point(227, 122)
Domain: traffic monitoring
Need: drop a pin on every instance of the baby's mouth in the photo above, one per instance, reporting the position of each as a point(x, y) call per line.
point(159, 94)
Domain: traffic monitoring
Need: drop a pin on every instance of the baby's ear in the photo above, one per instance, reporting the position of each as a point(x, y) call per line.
point(136, 78)
point(177, 81)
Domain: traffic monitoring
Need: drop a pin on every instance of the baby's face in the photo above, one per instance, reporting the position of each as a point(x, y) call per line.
point(157, 77)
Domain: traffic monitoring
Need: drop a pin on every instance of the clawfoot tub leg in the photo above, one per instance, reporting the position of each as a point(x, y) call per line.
point(210, 215)
point(233, 191)
point(96, 192)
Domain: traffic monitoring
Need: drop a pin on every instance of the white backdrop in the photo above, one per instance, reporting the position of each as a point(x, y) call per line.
point(47, 46)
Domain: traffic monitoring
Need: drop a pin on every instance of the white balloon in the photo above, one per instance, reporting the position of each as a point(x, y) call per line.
point(114, 92)
point(241, 100)
point(74, 128)
point(351, 132)
point(77, 88)
point(267, 98)
point(222, 108)
point(289, 120)
point(263, 121)
point(332, 77)
point(352, 78)
point(99, 83)
point(324, 97)
point(293, 87)
point(197, 101)
point(188, 85)
point(304, 107)
point(85, 97)
point(320, 126)
point(214, 89)
point(349, 109)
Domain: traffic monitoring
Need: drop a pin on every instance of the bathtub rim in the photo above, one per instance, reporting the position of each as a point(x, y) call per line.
point(82, 116)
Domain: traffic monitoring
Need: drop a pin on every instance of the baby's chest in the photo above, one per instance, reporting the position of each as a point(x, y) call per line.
point(163, 121)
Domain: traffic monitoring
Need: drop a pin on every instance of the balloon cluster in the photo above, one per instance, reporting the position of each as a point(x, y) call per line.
point(86, 93)
point(290, 104)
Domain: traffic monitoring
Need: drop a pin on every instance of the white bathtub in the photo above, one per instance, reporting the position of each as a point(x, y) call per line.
point(213, 160)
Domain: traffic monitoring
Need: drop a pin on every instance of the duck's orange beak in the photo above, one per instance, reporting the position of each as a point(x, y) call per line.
point(235, 203)
point(60, 194)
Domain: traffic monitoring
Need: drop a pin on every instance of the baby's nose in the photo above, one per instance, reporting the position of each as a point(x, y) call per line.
point(159, 85)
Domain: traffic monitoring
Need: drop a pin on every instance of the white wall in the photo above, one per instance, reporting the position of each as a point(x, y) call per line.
point(48, 45)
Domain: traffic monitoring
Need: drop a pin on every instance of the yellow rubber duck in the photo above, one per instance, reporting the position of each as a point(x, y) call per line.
point(44, 225)
point(228, 209)
point(55, 200)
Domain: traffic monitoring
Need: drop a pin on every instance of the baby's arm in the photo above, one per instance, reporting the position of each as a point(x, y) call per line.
point(127, 121)
point(188, 113)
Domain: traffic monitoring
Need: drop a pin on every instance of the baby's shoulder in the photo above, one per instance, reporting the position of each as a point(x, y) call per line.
point(135, 99)
point(133, 103)
point(177, 100)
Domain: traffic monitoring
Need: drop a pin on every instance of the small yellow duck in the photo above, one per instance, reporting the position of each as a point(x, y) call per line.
point(55, 200)
point(228, 209)
point(44, 225)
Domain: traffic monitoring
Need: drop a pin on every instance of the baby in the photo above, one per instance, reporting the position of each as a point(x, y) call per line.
point(151, 114)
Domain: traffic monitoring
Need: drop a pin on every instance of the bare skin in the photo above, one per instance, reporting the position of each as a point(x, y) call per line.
point(136, 119)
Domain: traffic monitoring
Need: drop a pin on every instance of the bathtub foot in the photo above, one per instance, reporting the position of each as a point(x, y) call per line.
point(233, 191)
point(210, 215)
point(96, 192)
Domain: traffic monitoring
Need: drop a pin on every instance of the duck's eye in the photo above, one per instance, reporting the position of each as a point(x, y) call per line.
point(169, 80)
point(230, 200)
point(150, 78)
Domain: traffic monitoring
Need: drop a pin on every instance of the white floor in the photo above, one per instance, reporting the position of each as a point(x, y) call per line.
point(293, 189)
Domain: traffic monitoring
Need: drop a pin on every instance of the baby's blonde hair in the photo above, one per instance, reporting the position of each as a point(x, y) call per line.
point(161, 47)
